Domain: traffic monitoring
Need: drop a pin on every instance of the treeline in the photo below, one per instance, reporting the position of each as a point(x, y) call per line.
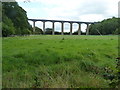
point(14, 20)
point(106, 27)
point(48, 31)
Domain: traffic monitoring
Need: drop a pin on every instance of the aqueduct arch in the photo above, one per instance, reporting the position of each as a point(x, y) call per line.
point(62, 25)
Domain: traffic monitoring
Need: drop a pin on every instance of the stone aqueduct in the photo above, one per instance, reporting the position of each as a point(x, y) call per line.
point(62, 25)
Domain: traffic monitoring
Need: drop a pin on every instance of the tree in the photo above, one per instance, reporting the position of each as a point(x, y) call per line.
point(76, 33)
point(38, 30)
point(48, 31)
point(7, 27)
point(18, 18)
point(104, 27)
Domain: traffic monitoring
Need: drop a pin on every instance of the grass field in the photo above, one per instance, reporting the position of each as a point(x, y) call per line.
point(58, 61)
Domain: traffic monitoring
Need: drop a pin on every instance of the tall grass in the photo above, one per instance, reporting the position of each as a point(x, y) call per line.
point(58, 61)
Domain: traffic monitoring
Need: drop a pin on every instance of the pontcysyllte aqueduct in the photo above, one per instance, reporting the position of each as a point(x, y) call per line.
point(62, 25)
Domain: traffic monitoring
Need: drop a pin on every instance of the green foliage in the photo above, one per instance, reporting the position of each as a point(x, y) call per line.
point(105, 27)
point(48, 31)
point(38, 30)
point(7, 27)
point(16, 15)
point(76, 33)
point(117, 31)
point(116, 80)
point(59, 61)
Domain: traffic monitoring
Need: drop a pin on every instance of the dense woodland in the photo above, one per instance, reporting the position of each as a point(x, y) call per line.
point(106, 27)
point(15, 22)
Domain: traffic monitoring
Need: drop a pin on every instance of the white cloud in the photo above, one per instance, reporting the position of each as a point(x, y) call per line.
point(91, 17)
point(79, 10)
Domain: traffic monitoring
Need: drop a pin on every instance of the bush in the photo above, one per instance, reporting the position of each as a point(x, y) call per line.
point(117, 31)
point(7, 30)
point(104, 27)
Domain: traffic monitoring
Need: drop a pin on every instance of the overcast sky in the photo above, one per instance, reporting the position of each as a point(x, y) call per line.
point(79, 10)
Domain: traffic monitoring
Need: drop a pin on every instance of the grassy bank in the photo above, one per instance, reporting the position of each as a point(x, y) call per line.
point(58, 61)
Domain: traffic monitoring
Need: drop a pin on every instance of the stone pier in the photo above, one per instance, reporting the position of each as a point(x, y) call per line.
point(33, 26)
point(43, 27)
point(62, 28)
point(62, 25)
point(53, 28)
point(71, 28)
point(87, 29)
point(79, 29)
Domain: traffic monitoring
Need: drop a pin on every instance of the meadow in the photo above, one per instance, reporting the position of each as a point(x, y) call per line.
point(46, 61)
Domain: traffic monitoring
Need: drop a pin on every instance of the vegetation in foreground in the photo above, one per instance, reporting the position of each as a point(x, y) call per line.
point(59, 61)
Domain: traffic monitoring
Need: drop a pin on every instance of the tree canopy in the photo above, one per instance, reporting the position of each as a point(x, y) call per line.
point(105, 27)
point(14, 20)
